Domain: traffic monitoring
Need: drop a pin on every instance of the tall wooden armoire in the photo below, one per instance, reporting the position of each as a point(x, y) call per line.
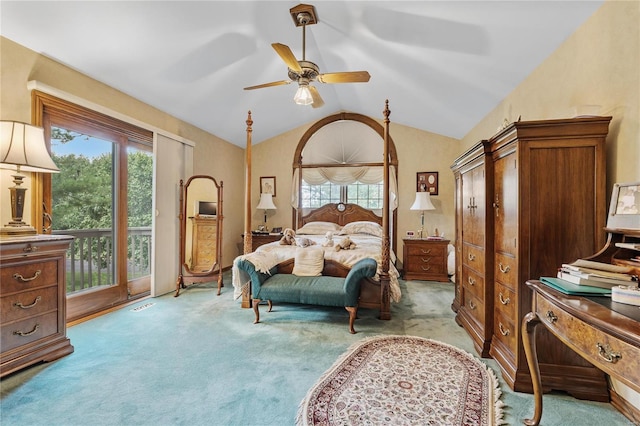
point(474, 252)
point(547, 207)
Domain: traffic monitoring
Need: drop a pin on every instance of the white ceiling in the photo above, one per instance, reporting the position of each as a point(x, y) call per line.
point(443, 65)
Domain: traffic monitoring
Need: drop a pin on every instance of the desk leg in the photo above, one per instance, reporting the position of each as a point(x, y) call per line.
point(529, 324)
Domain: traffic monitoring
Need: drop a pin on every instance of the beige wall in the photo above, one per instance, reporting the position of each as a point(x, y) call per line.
point(597, 65)
point(418, 151)
point(212, 155)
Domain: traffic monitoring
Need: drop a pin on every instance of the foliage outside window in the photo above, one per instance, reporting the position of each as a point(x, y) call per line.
point(368, 196)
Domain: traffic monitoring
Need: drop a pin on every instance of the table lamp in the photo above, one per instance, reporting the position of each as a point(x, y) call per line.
point(266, 203)
point(23, 149)
point(422, 202)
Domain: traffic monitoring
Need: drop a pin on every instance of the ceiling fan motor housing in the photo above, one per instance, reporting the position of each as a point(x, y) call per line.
point(309, 71)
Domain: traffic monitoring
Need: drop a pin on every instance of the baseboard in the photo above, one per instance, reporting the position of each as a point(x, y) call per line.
point(625, 407)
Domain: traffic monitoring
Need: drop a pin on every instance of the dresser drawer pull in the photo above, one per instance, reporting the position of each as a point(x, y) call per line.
point(26, 280)
point(21, 306)
point(503, 331)
point(472, 305)
point(471, 257)
point(503, 269)
point(27, 333)
point(605, 352)
point(471, 281)
point(551, 317)
point(427, 260)
point(503, 300)
point(427, 251)
point(425, 269)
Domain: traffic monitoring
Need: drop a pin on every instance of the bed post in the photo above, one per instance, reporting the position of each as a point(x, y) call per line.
point(385, 297)
point(246, 288)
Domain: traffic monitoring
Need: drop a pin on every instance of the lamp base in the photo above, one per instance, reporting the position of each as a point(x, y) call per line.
point(17, 229)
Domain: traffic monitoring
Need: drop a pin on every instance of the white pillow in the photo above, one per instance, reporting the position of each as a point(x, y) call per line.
point(318, 228)
point(362, 227)
point(308, 262)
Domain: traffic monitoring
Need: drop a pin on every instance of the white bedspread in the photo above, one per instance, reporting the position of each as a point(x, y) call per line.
point(271, 254)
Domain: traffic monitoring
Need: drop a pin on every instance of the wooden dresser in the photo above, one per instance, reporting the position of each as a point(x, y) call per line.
point(204, 244)
point(425, 259)
point(474, 248)
point(33, 297)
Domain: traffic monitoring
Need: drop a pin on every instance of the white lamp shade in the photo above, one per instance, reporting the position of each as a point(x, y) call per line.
point(23, 145)
point(422, 202)
point(266, 202)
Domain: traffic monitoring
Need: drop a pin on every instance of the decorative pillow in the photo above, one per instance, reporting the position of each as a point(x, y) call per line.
point(318, 228)
point(362, 227)
point(308, 262)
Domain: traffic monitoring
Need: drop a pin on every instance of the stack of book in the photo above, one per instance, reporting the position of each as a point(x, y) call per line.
point(596, 274)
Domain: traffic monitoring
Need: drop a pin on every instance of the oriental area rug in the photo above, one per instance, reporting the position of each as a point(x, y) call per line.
point(404, 380)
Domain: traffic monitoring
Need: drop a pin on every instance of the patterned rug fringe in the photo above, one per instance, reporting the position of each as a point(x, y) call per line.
point(498, 405)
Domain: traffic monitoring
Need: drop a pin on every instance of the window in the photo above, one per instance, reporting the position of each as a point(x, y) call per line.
point(368, 196)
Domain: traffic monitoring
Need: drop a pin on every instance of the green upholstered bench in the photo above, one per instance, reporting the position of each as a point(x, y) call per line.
point(316, 290)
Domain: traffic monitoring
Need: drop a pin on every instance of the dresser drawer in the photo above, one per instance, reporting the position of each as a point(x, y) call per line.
point(505, 331)
point(29, 303)
point(473, 283)
point(505, 301)
point(27, 276)
point(474, 306)
point(609, 354)
point(506, 270)
point(19, 333)
point(431, 250)
point(473, 257)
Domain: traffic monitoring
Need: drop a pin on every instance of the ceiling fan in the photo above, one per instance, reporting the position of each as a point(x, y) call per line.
point(304, 72)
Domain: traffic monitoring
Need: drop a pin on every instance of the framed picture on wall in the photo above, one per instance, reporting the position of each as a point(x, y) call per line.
point(268, 185)
point(427, 182)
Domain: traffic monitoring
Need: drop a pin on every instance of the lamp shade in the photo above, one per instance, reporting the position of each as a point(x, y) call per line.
point(303, 95)
point(266, 202)
point(23, 146)
point(422, 202)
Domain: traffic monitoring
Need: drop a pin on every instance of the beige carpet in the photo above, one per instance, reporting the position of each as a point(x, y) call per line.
point(404, 380)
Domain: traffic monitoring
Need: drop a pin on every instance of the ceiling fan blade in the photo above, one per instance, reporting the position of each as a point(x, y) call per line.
point(287, 56)
point(344, 77)
point(273, 83)
point(315, 95)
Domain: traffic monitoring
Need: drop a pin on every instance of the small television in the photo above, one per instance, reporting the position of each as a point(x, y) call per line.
point(206, 208)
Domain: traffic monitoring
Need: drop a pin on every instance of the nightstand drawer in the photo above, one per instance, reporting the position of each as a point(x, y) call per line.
point(29, 303)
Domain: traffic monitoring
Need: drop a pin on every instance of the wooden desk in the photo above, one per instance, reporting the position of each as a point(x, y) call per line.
point(606, 338)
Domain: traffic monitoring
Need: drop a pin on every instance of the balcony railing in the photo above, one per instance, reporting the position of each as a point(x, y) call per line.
point(91, 257)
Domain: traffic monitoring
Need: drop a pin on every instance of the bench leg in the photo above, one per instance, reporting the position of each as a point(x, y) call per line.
point(255, 303)
point(353, 312)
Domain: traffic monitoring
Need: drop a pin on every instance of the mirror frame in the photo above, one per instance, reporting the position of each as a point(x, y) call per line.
point(186, 274)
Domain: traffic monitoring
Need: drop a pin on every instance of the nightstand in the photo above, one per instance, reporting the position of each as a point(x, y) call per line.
point(425, 259)
point(258, 240)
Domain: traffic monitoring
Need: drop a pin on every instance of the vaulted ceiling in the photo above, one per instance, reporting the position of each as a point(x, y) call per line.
point(443, 65)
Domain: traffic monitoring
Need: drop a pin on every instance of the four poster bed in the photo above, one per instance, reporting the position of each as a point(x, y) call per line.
point(370, 230)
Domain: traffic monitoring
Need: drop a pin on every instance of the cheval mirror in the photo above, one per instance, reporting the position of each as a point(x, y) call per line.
point(200, 232)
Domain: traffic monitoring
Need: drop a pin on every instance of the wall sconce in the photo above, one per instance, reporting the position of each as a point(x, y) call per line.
point(23, 149)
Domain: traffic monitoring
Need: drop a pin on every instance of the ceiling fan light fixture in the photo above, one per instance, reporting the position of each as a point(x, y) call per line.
point(303, 95)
